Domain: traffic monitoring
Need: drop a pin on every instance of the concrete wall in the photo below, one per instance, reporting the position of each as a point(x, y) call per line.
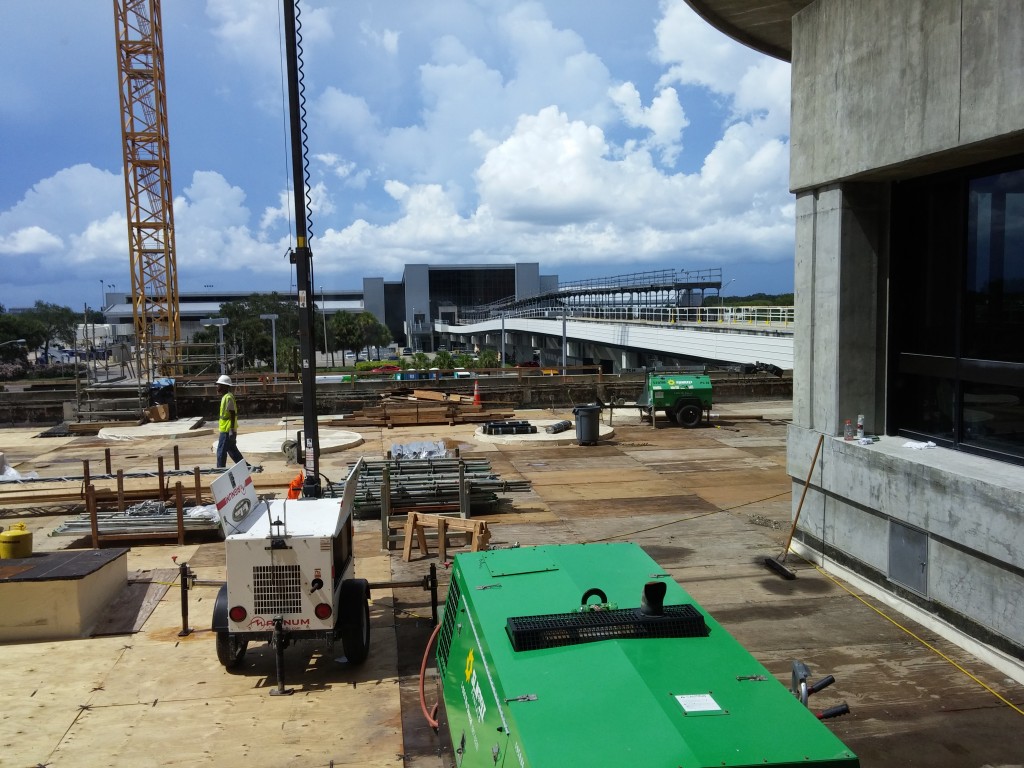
point(527, 279)
point(878, 84)
point(884, 91)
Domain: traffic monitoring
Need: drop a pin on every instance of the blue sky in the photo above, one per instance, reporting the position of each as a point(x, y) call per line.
point(597, 137)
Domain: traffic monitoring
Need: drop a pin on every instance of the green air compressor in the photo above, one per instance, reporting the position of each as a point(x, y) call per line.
point(685, 397)
point(590, 655)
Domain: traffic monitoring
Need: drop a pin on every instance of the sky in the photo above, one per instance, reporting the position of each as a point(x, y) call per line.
point(596, 137)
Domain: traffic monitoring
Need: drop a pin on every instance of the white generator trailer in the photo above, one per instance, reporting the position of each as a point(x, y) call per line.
point(290, 572)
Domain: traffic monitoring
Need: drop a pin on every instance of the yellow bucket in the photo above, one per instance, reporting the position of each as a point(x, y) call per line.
point(15, 542)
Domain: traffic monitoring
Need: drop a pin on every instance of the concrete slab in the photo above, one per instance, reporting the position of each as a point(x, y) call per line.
point(270, 442)
point(158, 429)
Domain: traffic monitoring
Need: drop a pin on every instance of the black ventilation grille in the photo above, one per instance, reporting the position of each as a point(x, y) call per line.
point(531, 633)
point(444, 640)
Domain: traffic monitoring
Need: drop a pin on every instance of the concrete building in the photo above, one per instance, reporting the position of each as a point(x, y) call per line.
point(908, 168)
point(409, 307)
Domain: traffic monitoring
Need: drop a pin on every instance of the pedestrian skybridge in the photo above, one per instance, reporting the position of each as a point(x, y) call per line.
point(631, 335)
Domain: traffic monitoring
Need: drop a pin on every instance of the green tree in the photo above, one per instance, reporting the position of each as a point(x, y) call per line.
point(354, 332)
point(420, 361)
point(250, 335)
point(444, 360)
point(380, 336)
point(346, 333)
point(20, 327)
point(57, 323)
point(488, 359)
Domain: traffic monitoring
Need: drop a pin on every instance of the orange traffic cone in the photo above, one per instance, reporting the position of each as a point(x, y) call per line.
point(476, 393)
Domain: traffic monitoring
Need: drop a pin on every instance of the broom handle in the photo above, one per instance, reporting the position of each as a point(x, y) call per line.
point(800, 505)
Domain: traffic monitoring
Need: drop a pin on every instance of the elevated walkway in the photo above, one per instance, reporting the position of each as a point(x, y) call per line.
point(726, 335)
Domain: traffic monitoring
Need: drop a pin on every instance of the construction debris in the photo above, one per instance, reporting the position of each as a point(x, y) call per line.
point(424, 407)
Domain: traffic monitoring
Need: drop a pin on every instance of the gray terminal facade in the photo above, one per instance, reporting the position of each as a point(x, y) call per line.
point(907, 162)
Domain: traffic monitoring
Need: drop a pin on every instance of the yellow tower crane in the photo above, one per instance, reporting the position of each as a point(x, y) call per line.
point(147, 182)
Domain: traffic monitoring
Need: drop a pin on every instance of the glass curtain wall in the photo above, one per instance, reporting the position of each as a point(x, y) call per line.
point(958, 310)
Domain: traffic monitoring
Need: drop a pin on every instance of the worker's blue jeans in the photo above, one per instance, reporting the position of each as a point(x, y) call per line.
point(226, 447)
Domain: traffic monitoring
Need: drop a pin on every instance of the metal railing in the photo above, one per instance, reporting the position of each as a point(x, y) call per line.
point(726, 316)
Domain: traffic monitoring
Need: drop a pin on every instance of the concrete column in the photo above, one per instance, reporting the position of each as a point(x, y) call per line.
point(841, 264)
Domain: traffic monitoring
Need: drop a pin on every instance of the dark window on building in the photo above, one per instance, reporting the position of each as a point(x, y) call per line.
point(958, 310)
point(471, 287)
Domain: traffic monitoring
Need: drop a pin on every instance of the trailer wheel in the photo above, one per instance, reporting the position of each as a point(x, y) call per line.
point(355, 616)
point(230, 649)
point(688, 416)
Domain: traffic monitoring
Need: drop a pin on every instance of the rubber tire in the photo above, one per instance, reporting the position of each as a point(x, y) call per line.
point(355, 615)
point(230, 649)
point(688, 416)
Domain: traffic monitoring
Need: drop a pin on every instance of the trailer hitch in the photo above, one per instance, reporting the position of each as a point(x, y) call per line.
point(802, 690)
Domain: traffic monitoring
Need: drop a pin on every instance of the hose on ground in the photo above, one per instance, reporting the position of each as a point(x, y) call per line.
point(431, 716)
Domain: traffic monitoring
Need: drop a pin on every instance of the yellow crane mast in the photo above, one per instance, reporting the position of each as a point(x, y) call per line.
point(147, 182)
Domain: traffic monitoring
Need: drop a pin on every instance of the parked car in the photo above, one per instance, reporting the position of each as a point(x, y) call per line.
point(407, 351)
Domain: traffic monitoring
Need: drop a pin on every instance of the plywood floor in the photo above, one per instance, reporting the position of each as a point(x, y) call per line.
point(707, 504)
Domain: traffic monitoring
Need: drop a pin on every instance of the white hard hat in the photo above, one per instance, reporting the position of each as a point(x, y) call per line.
point(225, 380)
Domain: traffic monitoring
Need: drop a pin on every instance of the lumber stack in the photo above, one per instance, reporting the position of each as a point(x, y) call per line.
point(423, 408)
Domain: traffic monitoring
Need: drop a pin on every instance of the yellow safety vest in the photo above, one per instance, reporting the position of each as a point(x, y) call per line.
point(226, 423)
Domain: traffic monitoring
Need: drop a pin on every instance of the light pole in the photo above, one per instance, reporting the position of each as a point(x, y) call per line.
point(12, 341)
point(220, 322)
point(273, 338)
point(721, 298)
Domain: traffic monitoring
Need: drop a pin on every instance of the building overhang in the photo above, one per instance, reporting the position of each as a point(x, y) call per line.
point(764, 25)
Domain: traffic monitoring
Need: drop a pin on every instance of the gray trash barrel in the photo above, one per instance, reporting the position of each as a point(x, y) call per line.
point(588, 424)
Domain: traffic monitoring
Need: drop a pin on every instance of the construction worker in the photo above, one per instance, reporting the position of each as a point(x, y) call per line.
point(227, 424)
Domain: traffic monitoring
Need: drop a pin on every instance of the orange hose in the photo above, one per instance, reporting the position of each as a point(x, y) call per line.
point(430, 716)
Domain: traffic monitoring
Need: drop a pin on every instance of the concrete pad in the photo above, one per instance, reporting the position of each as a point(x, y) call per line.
point(331, 441)
point(163, 429)
point(561, 438)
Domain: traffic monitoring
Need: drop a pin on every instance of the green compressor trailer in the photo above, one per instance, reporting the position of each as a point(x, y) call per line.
point(590, 655)
point(684, 397)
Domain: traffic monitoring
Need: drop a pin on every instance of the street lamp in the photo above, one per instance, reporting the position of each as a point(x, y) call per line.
point(720, 290)
point(12, 341)
point(273, 338)
point(220, 322)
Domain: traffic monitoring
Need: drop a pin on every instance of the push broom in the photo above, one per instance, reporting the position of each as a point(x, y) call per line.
point(778, 564)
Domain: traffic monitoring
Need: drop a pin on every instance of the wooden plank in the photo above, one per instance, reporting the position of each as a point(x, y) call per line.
point(137, 601)
point(429, 394)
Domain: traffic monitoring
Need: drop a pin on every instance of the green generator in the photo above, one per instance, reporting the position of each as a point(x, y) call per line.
point(590, 655)
point(684, 397)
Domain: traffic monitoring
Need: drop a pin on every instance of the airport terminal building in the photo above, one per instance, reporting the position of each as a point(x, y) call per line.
point(408, 307)
point(907, 163)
